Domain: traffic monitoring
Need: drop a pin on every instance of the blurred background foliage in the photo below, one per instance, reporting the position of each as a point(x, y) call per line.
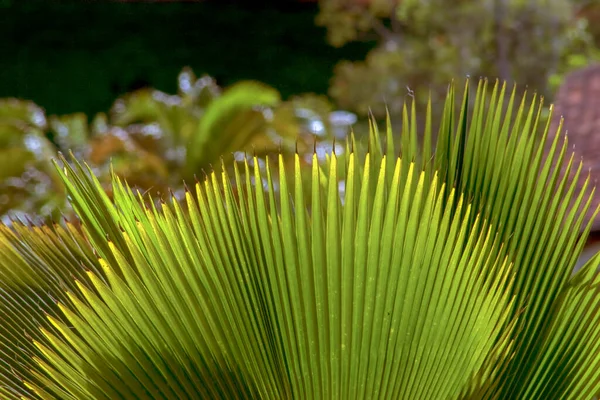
point(154, 140)
point(423, 44)
point(273, 76)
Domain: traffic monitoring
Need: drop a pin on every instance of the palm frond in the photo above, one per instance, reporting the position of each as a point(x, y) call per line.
point(443, 274)
point(245, 299)
point(39, 264)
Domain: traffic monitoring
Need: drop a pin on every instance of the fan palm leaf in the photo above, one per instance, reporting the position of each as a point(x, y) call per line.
point(444, 274)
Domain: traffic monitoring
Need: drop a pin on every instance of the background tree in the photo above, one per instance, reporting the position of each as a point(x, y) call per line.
point(421, 45)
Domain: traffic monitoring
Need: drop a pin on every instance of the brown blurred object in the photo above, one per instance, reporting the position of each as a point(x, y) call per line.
point(578, 102)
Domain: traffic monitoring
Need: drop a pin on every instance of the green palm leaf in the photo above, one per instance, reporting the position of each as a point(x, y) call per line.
point(38, 265)
point(431, 275)
point(214, 304)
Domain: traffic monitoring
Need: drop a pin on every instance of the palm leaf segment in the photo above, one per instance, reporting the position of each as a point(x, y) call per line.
point(440, 275)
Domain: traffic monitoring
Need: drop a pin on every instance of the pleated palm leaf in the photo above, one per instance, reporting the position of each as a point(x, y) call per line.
point(431, 275)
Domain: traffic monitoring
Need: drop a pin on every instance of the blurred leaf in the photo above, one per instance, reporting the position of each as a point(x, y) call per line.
point(13, 162)
point(28, 183)
point(101, 148)
point(230, 121)
point(99, 124)
point(196, 91)
point(21, 110)
point(14, 131)
point(71, 132)
point(137, 164)
point(141, 106)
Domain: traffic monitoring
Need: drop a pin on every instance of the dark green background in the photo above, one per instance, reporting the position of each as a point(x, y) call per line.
point(79, 56)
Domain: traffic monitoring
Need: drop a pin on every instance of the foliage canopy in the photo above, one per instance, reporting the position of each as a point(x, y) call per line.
point(424, 44)
point(152, 139)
